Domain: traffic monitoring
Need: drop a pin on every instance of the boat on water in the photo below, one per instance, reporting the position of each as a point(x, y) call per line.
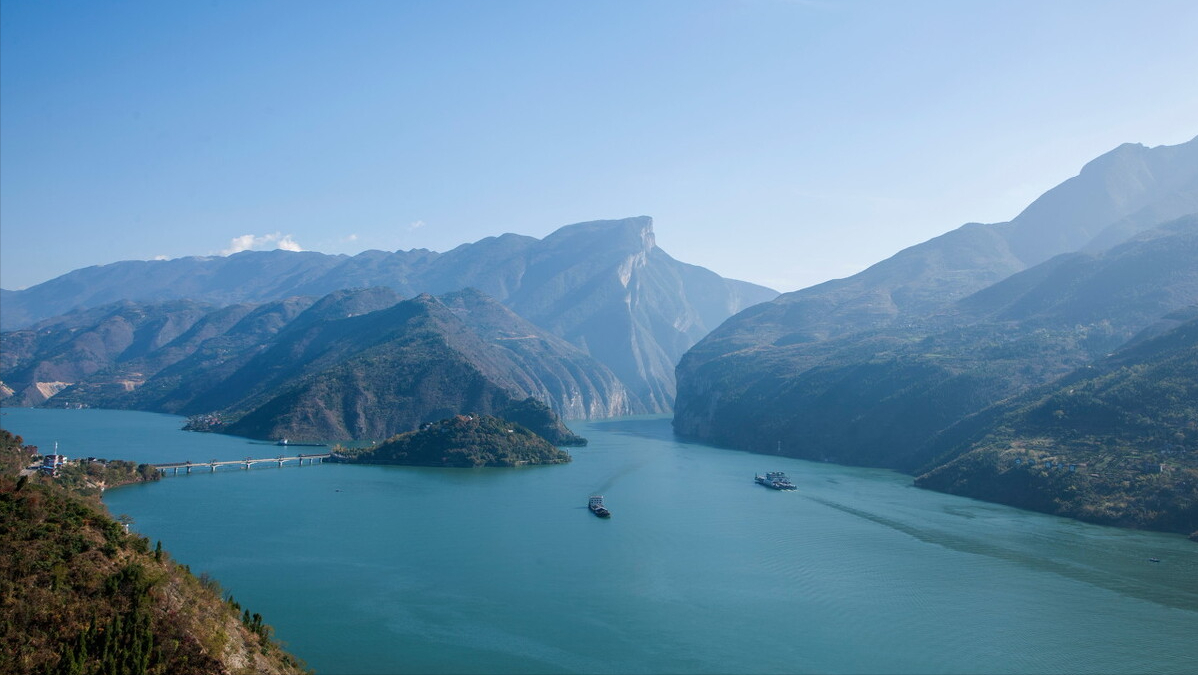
point(775, 480)
point(597, 508)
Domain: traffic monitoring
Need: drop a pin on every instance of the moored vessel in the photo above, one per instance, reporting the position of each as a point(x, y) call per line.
point(597, 508)
point(775, 480)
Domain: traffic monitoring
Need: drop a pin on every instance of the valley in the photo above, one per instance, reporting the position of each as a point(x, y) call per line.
point(934, 362)
point(598, 338)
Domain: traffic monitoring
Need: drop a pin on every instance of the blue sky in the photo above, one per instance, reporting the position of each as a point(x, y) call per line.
point(784, 142)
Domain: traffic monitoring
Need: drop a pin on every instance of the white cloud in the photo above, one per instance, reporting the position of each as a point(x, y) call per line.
point(238, 244)
point(416, 225)
point(161, 257)
point(288, 244)
point(348, 239)
point(252, 242)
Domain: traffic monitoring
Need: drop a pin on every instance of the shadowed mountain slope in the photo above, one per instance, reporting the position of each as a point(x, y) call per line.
point(866, 370)
point(879, 397)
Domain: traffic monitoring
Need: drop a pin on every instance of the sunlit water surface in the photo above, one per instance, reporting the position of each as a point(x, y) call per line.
point(367, 569)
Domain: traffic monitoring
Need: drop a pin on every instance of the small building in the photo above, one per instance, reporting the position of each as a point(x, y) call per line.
point(51, 463)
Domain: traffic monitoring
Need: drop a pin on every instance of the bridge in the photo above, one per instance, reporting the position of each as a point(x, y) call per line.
point(246, 463)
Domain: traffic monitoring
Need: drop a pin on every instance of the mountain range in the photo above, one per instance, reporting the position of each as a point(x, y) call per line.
point(875, 369)
point(604, 286)
point(917, 363)
point(352, 365)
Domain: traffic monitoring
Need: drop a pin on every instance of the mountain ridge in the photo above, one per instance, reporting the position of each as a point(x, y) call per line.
point(604, 286)
point(354, 364)
point(887, 366)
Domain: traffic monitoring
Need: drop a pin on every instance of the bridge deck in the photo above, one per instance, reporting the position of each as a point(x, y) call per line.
point(247, 462)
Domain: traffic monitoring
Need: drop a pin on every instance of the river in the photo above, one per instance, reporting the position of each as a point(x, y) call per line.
point(371, 569)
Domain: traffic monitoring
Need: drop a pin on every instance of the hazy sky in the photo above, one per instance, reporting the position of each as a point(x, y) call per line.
point(781, 142)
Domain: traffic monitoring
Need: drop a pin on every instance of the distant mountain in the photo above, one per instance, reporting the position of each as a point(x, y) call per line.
point(1114, 442)
point(603, 286)
point(869, 369)
point(354, 364)
point(1128, 190)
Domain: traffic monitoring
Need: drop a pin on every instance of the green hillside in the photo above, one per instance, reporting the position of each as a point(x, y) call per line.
point(80, 595)
point(1114, 443)
point(462, 441)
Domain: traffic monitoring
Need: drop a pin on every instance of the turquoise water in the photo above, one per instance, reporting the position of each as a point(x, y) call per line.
point(392, 569)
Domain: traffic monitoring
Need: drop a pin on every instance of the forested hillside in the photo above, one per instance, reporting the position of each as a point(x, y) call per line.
point(80, 595)
point(461, 441)
point(1113, 443)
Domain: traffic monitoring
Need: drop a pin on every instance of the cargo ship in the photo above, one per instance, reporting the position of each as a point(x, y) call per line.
point(775, 480)
point(597, 508)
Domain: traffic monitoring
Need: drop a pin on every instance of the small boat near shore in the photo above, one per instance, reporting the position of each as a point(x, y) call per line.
point(285, 443)
point(775, 480)
point(597, 508)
